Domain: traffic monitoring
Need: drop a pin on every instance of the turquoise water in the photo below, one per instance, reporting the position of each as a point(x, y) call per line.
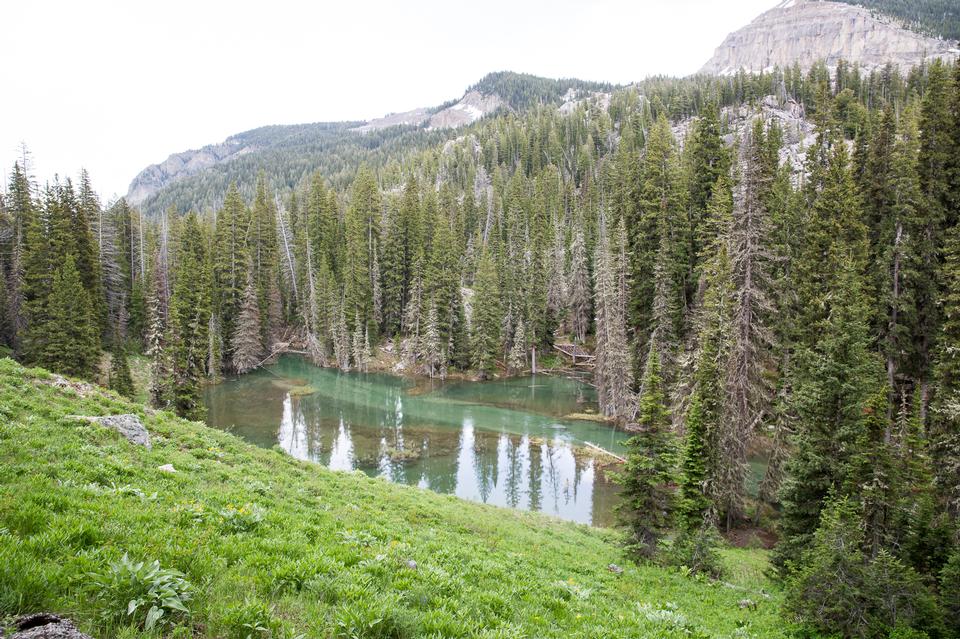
point(503, 442)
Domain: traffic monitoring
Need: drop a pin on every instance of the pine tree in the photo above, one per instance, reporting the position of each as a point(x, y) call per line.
point(486, 317)
point(612, 367)
point(431, 350)
point(360, 347)
point(709, 159)
point(362, 224)
point(578, 301)
point(945, 408)
point(747, 388)
point(660, 236)
point(411, 320)
point(120, 379)
point(340, 336)
point(73, 343)
point(189, 320)
point(247, 346)
point(160, 368)
point(648, 504)
point(230, 262)
point(701, 459)
point(836, 376)
point(518, 351)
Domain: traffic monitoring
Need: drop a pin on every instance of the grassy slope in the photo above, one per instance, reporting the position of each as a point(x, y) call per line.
point(332, 549)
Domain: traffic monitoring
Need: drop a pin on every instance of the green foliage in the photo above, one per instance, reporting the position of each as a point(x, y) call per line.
point(487, 317)
point(695, 551)
point(837, 588)
point(933, 17)
point(120, 378)
point(522, 90)
point(142, 593)
point(71, 343)
point(950, 590)
point(240, 519)
point(330, 557)
point(649, 501)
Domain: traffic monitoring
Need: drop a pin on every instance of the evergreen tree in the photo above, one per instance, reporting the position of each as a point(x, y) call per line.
point(648, 502)
point(120, 379)
point(189, 320)
point(612, 366)
point(247, 346)
point(362, 224)
point(945, 409)
point(578, 302)
point(486, 317)
point(835, 378)
point(431, 350)
point(230, 262)
point(518, 351)
point(701, 458)
point(747, 389)
point(72, 346)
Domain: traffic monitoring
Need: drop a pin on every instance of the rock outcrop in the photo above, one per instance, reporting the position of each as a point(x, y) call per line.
point(45, 626)
point(129, 426)
point(180, 165)
point(470, 108)
point(807, 31)
point(799, 133)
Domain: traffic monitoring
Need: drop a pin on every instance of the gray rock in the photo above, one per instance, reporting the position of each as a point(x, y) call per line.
point(615, 569)
point(167, 468)
point(45, 625)
point(129, 426)
point(805, 31)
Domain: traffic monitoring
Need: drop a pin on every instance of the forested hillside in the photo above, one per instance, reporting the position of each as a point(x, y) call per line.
point(289, 155)
point(730, 299)
point(932, 17)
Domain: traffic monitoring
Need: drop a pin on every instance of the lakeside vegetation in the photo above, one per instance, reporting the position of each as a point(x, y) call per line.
point(273, 547)
point(760, 260)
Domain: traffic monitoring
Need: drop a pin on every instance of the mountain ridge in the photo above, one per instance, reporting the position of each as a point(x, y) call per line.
point(495, 91)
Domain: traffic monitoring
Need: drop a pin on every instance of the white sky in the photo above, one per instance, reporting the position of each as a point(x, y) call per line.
point(115, 86)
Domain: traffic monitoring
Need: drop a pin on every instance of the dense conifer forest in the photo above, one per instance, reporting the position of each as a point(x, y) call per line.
point(933, 17)
point(730, 298)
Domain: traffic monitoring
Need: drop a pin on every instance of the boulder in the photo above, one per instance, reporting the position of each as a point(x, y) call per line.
point(129, 426)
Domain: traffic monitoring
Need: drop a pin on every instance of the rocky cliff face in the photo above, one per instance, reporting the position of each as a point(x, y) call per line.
point(180, 165)
point(471, 107)
point(806, 31)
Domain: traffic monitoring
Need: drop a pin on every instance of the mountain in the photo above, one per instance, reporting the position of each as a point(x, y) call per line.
point(197, 179)
point(808, 31)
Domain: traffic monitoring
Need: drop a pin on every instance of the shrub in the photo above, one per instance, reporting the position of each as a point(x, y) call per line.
point(144, 594)
point(251, 620)
point(240, 519)
point(694, 552)
point(366, 619)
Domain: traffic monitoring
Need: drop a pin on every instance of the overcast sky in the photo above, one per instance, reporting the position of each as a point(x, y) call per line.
point(115, 86)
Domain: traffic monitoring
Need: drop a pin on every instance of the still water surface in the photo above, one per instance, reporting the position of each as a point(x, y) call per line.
point(503, 442)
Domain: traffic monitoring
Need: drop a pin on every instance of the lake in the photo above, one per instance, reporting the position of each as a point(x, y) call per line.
point(504, 442)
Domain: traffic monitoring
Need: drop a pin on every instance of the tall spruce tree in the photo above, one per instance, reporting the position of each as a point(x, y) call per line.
point(486, 317)
point(189, 321)
point(649, 500)
point(72, 345)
